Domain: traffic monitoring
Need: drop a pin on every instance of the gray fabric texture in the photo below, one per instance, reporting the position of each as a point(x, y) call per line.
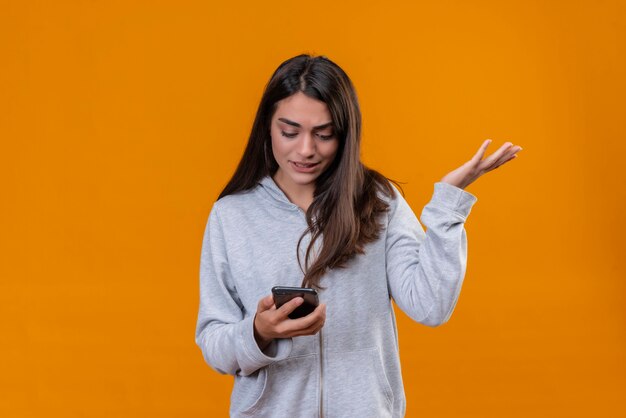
point(352, 369)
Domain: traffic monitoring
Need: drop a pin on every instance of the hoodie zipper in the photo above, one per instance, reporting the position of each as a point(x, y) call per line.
point(321, 338)
point(321, 375)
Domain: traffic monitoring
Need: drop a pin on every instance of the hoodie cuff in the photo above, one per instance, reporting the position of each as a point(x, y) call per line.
point(453, 198)
point(278, 349)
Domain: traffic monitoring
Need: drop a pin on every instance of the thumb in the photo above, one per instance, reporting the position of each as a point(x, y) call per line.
point(265, 304)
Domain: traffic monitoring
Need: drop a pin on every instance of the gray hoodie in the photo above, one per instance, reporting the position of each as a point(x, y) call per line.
point(351, 368)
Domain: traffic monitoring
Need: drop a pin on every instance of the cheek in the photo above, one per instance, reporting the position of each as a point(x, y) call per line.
point(331, 150)
point(280, 150)
point(277, 148)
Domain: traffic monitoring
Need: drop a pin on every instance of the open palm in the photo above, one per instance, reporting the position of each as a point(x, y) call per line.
point(476, 167)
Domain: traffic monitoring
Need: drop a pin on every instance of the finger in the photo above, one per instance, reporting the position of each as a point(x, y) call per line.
point(307, 321)
point(512, 157)
point(310, 330)
point(317, 329)
point(507, 156)
point(289, 307)
point(493, 158)
point(265, 304)
point(314, 328)
point(481, 151)
point(320, 325)
point(299, 324)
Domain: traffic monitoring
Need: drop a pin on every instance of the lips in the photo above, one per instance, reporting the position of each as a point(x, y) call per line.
point(301, 167)
point(304, 165)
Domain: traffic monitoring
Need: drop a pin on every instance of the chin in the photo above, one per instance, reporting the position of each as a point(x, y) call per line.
point(304, 179)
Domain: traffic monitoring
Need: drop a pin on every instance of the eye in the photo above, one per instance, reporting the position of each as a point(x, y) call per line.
point(293, 135)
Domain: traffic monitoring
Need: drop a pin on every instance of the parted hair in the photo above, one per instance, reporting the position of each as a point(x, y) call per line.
point(347, 203)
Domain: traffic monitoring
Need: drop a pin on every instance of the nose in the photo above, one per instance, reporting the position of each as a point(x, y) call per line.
point(307, 146)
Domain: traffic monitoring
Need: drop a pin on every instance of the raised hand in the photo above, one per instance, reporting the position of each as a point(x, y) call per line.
point(476, 167)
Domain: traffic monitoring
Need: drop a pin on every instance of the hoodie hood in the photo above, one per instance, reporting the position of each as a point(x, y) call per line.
point(270, 191)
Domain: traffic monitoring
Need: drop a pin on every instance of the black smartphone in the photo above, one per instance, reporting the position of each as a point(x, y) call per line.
point(283, 294)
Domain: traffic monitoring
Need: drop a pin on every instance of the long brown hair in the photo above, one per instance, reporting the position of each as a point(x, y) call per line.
point(346, 203)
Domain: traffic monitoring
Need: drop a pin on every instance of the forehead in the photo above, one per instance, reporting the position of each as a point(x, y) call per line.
point(303, 109)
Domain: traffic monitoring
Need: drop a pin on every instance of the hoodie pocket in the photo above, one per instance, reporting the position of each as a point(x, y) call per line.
point(357, 386)
point(247, 391)
point(289, 388)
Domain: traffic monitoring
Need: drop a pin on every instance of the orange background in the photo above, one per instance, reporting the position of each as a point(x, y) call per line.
point(121, 121)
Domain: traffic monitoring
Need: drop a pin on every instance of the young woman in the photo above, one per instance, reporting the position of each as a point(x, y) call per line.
point(301, 209)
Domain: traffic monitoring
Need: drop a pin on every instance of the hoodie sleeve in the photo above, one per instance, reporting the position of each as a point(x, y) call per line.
point(223, 332)
point(425, 270)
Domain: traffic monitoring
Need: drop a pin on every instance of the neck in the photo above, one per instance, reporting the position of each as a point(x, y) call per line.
point(297, 194)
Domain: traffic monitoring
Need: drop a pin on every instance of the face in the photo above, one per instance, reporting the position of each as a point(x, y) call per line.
point(303, 141)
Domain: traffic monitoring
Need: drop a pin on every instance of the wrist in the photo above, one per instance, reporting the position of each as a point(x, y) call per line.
point(261, 341)
point(460, 186)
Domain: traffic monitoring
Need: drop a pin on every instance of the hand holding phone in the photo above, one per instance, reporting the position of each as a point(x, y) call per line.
point(272, 322)
point(283, 294)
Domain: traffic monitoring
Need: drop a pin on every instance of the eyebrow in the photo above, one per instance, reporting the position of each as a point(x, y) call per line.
point(297, 125)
